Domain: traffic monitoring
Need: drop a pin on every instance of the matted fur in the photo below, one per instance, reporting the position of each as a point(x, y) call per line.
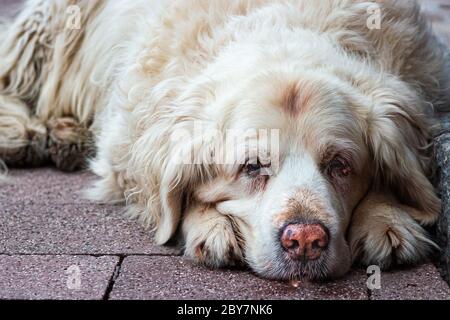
point(137, 71)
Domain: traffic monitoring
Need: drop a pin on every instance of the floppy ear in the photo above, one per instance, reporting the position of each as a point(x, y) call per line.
point(176, 180)
point(398, 138)
point(172, 194)
point(159, 191)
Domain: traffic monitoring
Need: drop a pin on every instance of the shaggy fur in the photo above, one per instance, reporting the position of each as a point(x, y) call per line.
point(352, 105)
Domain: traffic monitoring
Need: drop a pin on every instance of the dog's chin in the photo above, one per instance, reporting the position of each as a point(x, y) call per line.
point(327, 267)
point(315, 270)
point(284, 268)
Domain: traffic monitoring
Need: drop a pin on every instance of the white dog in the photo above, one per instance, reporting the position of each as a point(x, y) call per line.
point(333, 97)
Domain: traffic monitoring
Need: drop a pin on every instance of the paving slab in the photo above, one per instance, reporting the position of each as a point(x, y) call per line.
point(420, 283)
point(9, 8)
point(45, 186)
point(177, 278)
point(55, 277)
point(73, 229)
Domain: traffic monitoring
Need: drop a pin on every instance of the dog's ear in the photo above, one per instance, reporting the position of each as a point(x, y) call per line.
point(176, 182)
point(171, 193)
point(398, 138)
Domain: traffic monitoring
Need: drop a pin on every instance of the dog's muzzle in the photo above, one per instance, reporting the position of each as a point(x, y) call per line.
point(304, 242)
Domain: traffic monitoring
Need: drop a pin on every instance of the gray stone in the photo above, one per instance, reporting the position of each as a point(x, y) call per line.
point(442, 152)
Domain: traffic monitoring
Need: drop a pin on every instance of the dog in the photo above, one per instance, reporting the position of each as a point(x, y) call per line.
point(329, 103)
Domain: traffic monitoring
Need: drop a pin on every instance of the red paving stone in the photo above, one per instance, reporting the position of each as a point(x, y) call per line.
point(10, 7)
point(72, 229)
point(177, 278)
point(45, 186)
point(52, 277)
point(421, 283)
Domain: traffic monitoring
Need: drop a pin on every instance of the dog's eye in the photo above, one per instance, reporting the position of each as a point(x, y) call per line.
point(339, 166)
point(255, 169)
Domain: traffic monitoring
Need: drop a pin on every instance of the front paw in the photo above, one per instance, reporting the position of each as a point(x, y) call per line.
point(210, 239)
point(388, 236)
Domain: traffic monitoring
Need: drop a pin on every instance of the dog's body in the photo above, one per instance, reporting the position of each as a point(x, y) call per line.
point(351, 104)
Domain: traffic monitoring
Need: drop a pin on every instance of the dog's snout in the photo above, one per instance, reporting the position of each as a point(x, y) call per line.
point(304, 241)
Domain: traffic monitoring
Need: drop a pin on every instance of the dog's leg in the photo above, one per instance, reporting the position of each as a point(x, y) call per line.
point(28, 141)
point(26, 48)
point(211, 238)
point(39, 37)
point(384, 232)
point(23, 139)
point(69, 143)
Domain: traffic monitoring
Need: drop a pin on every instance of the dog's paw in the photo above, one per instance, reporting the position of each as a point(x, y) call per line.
point(211, 239)
point(69, 144)
point(387, 236)
point(24, 144)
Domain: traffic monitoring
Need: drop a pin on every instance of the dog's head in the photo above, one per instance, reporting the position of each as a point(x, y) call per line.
point(314, 143)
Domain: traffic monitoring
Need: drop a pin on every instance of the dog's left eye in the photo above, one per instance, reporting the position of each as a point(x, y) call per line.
point(339, 166)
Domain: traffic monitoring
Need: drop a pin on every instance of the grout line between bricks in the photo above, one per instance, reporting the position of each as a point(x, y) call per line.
point(97, 255)
point(113, 278)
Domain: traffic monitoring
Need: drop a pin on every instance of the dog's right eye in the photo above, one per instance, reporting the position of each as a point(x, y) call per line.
point(256, 169)
point(253, 169)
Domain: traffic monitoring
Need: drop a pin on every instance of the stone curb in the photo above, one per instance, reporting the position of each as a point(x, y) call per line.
point(442, 154)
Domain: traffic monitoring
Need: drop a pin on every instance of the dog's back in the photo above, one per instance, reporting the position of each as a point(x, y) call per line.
point(57, 60)
point(52, 41)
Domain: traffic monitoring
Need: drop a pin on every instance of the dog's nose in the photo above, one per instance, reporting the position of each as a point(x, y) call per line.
point(304, 241)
